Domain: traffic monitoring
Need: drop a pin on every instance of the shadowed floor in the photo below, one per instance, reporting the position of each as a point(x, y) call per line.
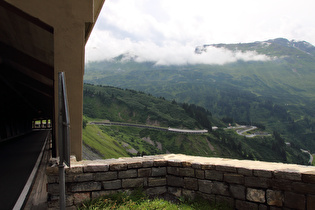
point(17, 159)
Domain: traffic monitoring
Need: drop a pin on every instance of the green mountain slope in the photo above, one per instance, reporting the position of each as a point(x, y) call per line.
point(278, 94)
point(131, 106)
point(115, 104)
point(103, 145)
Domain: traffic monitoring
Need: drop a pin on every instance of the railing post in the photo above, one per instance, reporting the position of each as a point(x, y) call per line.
point(63, 137)
point(62, 187)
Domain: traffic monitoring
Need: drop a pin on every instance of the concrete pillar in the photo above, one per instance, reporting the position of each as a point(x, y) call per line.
point(70, 59)
point(68, 18)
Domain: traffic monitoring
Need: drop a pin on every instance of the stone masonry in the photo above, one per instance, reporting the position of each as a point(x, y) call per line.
point(241, 184)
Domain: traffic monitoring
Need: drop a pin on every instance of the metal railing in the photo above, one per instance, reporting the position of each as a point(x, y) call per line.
point(63, 136)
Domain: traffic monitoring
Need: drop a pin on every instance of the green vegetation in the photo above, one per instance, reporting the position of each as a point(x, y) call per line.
point(104, 103)
point(102, 144)
point(132, 106)
point(275, 95)
point(139, 200)
point(151, 142)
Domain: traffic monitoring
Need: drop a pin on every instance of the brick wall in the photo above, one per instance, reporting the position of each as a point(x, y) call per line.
point(241, 184)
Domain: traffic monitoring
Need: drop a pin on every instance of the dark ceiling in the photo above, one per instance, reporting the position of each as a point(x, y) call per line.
point(26, 65)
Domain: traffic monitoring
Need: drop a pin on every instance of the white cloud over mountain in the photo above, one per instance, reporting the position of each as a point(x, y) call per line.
point(167, 32)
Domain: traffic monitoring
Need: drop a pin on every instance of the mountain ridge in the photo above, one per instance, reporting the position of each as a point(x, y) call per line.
point(277, 93)
point(129, 106)
point(303, 46)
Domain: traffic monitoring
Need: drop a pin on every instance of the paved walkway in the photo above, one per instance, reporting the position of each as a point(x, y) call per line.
point(17, 159)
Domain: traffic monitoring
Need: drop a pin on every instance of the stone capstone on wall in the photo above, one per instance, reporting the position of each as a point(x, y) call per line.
point(241, 184)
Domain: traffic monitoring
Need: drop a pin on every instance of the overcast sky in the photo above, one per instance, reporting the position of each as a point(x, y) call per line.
point(167, 31)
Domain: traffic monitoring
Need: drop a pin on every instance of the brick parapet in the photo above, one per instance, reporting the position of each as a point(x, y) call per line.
point(242, 184)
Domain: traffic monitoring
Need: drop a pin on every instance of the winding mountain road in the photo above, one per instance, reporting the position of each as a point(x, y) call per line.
point(311, 156)
point(241, 132)
point(174, 130)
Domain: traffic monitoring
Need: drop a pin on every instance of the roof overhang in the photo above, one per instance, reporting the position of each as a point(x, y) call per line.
point(27, 60)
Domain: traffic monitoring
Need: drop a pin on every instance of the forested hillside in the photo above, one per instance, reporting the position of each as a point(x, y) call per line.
point(104, 103)
point(277, 94)
point(120, 105)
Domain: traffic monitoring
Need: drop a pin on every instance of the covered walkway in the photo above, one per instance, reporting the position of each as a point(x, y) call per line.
point(39, 39)
point(17, 160)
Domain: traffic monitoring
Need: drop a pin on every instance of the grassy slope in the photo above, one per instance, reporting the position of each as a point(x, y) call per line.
point(135, 107)
point(217, 144)
point(107, 146)
point(115, 141)
point(238, 90)
point(287, 79)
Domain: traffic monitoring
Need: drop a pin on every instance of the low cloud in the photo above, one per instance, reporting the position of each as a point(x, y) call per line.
point(167, 32)
point(181, 55)
point(107, 47)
